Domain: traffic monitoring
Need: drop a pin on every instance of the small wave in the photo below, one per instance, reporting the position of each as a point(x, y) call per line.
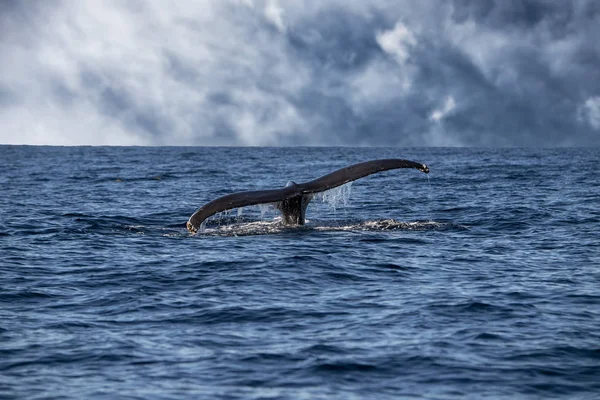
point(342, 367)
point(27, 294)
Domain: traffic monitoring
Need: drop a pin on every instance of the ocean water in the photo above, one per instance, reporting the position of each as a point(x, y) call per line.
point(481, 280)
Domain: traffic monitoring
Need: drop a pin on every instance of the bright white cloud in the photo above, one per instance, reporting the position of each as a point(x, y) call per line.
point(101, 72)
point(590, 112)
point(439, 114)
point(397, 42)
point(274, 13)
point(437, 134)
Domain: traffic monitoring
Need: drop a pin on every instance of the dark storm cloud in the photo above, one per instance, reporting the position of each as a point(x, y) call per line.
point(467, 72)
point(336, 39)
point(536, 103)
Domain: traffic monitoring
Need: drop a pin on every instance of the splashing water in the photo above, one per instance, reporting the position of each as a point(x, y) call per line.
point(264, 209)
point(334, 198)
point(238, 215)
point(339, 196)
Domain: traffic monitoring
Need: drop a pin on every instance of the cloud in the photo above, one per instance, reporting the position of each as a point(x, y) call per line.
point(438, 114)
point(274, 13)
point(269, 72)
point(397, 42)
point(590, 112)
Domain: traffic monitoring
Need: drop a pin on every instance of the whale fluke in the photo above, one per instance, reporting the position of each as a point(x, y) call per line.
point(293, 199)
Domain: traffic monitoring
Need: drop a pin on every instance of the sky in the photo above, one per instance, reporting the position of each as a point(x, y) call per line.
point(300, 72)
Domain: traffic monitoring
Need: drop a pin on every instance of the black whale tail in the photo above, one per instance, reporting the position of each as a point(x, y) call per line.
point(293, 199)
point(293, 210)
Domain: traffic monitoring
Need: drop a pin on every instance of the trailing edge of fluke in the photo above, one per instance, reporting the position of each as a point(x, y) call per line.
point(293, 199)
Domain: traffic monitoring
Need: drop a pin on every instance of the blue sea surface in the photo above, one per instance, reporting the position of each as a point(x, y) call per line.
point(481, 280)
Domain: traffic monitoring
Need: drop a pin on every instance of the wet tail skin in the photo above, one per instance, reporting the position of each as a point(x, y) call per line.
point(293, 199)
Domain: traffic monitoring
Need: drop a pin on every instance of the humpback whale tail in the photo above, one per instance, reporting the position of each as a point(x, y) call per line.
point(293, 199)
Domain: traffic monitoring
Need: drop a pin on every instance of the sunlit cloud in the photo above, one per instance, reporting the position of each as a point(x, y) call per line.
point(274, 13)
point(590, 112)
point(397, 42)
point(438, 114)
point(272, 72)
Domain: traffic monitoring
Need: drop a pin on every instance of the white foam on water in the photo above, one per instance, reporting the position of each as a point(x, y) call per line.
point(382, 225)
point(276, 226)
point(246, 228)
